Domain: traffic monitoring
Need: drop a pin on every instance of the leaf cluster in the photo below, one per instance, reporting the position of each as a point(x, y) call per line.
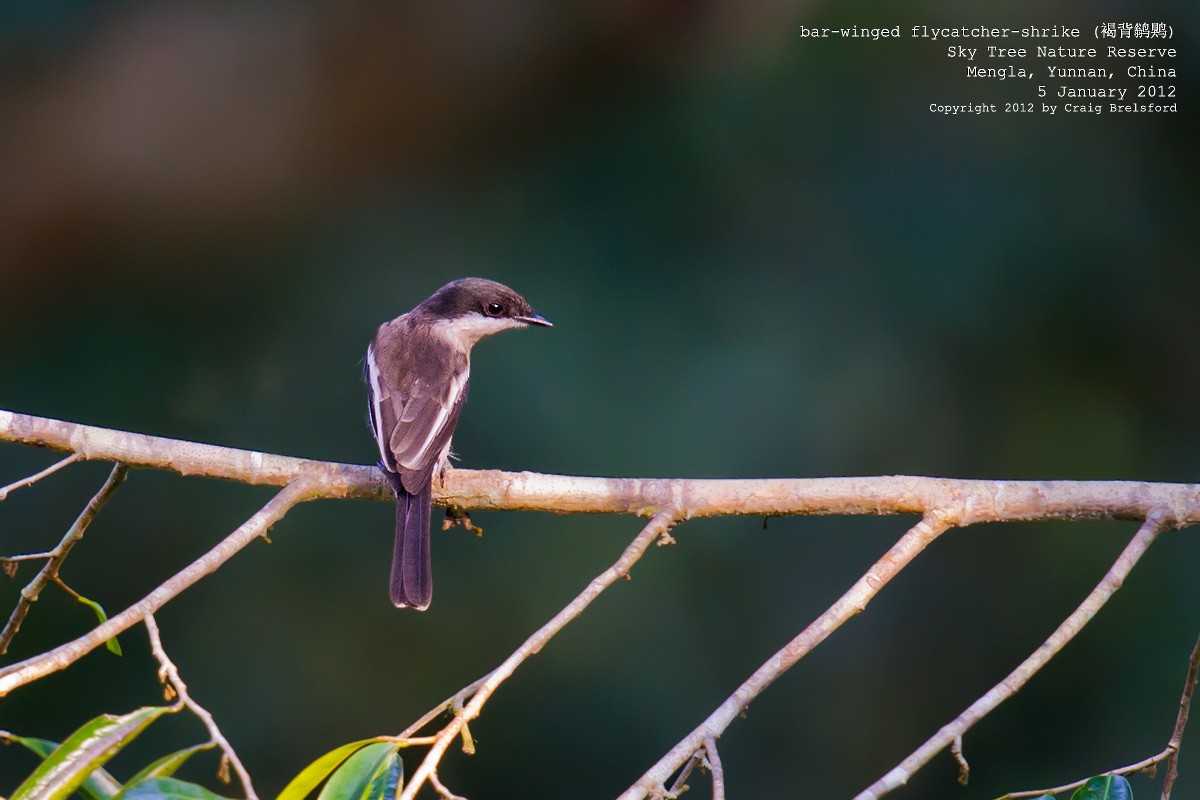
point(370, 769)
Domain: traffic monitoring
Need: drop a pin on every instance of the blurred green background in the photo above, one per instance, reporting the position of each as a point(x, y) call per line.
point(763, 257)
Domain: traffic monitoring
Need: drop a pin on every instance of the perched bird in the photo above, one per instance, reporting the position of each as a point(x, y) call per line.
point(416, 372)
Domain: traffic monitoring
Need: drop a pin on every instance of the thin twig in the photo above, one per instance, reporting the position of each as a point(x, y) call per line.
point(1185, 704)
point(32, 479)
point(409, 741)
point(27, 557)
point(1170, 753)
point(168, 674)
point(680, 784)
point(1065, 632)
point(660, 524)
point(441, 789)
point(64, 655)
point(455, 702)
point(715, 767)
point(1145, 765)
point(60, 583)
point(964, 769)
point(908, 547)
point(456, 706)
point(49, 570)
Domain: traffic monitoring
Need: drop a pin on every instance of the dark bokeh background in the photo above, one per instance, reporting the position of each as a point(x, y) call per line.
point(763, 256)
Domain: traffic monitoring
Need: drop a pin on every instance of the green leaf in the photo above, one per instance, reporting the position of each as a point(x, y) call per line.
point(311, 776)
point(169, 789)
point(85, 750)
point(112, 644)
point(165, 767)
point(389, 781)
point(99, 785)
point(355, 779)
point(1103, 787)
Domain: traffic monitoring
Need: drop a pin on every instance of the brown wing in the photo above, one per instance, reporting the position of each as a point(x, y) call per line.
point(415, 398)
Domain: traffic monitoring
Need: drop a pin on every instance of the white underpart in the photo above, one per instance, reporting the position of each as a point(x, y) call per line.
point(462, 333)
point(377, 417)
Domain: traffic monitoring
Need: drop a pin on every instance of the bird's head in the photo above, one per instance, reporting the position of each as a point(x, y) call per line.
point(466, 310)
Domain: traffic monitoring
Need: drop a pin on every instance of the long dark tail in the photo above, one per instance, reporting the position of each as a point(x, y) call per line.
point(412, 574)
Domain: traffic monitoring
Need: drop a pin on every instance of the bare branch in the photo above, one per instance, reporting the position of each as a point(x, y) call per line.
point(168, 673)
point(190, 458)
point(49, 570)
point(64, 655)
point(32, 479)
point(849, 604)
point(658, 526)
point(715, 767)
point(969, 501)
point(1109, 584)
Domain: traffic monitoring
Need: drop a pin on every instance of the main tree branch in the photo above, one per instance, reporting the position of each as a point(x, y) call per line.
point(963, 501)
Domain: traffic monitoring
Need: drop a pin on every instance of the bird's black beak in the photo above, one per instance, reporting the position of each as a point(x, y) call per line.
point(535, 319)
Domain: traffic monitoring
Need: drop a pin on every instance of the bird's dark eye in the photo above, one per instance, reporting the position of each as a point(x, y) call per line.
point(494, 309)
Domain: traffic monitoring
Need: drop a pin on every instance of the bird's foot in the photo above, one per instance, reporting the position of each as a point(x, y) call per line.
point(457, 516)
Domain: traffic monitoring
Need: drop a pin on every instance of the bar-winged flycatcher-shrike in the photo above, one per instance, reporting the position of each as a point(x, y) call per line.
point(416, 371)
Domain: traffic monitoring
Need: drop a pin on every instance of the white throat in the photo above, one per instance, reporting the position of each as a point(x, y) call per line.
point(462, 333)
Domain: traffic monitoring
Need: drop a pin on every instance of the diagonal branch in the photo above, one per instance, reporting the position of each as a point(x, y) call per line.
point(849, 604)
point(658, 526)
point(64, 655)
point(49, 570)
point(37, 476)
point(1065, 632)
